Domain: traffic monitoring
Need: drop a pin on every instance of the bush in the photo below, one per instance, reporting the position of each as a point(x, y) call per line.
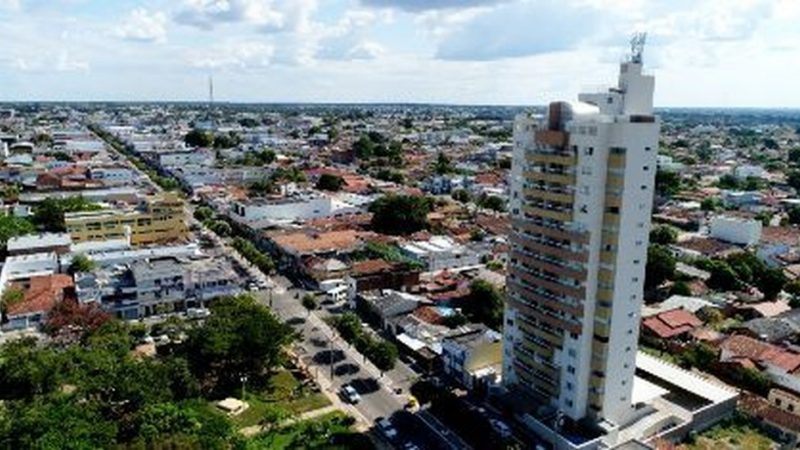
point(254, 255)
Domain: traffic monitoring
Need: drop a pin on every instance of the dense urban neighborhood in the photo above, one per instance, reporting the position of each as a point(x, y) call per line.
point(364, 276)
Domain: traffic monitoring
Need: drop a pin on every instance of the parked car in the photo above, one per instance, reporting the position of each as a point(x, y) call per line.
point(350, 394)
point(386, 428)
point(197, 313)
point(501, 428)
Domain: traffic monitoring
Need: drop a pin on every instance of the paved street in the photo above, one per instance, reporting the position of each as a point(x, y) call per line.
point(335, 363)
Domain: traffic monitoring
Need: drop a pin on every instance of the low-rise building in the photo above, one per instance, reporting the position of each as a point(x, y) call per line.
point(440, 253)
point(41, 294)
point(473, 357)
point(736, 230)
point(58, 243)
point(160, 219)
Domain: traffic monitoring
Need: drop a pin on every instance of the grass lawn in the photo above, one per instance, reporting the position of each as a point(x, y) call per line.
point(284, 392)
point(734, 434)
point(330, 431)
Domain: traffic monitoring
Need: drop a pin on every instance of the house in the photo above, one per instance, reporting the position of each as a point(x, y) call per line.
point(474, 356)
point(379, 274)
point(41, 295)
point(675, 324)
point(777, 241)
point(781, 328)
point(388, 304)
point(779, 363)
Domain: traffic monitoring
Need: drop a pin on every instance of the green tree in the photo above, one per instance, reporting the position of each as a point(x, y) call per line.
point(729, 181)
point(309, 303)
point(261, 187)
point(680, 287)
point(199, 138)
point(203, 213)
point(11, 226)
point(400, 214)
point(663, 234)
point(329, 182)
point(484, 304)
point(667, 183)
point(710, 204)
point(81, 263)
point(364, 148)
point(794, 155)
point(723, 277)
point(221, 228)
point(793, 179)
point(492, 202)
point(443, 165)
point(384, 356)
point(240, 338)
point(660, 266)
point(48, 215)
point(461, 195)
point(11, 296)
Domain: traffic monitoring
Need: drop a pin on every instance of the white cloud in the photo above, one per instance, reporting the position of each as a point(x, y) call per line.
point(206, 14)
point(246, 55)
point(10, 5)
point(142, 25)
point(518, 29)
point(427, 5)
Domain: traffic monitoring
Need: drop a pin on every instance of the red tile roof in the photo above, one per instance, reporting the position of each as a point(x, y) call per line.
point(672, 323)
point(44, 292)
point(741, 346)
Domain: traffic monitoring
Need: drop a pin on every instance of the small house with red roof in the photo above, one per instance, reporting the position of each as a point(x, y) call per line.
point(43, 293)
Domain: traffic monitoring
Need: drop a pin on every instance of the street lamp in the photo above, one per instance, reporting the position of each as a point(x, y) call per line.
point(243, 379)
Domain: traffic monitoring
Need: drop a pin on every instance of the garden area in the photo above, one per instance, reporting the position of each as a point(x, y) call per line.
point(286, 394)
point(733, 434)
point(331, 431)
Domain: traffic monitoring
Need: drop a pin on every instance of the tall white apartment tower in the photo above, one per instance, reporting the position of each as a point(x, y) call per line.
point(582, 189)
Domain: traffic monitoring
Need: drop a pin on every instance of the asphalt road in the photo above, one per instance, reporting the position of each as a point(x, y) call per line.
point(335, 363)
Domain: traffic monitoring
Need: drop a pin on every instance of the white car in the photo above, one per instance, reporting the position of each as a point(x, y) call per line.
point(197, 313)
point(387, 428)
point(350, 394)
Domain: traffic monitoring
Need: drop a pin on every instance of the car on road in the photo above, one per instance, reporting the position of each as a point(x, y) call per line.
point(386, 428)
point(501, 428)
point(197, 313)
point(410, 446)
point(350, 394)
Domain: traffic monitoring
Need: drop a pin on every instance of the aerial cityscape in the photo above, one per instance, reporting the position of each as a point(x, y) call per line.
point(376, 224)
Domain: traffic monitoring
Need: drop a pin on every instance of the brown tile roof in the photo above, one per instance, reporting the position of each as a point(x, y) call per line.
point(330, 241)
point(428, 314)
point(44, 292)
point(783, 235)
point(708, 246)
point(746, 347)
point(672, 323)
point(762, 409)
point(371, 266)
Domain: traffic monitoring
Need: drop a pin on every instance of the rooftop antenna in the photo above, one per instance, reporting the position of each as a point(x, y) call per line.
point(637, 46)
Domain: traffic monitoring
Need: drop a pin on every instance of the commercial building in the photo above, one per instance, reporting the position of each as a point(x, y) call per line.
point(159, 219)
point(582, 192)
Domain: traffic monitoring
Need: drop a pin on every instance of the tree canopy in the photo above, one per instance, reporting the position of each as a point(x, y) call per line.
point(199, 138)
point(660, 266)
point(48, 215)
point(329, 182)
point(11, 226)
point(484, 304)
point(400, 214)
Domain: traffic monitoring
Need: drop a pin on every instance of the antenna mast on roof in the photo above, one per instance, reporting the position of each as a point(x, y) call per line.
point(637, 47)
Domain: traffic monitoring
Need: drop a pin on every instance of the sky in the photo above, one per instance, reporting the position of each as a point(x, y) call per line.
point(722, 53)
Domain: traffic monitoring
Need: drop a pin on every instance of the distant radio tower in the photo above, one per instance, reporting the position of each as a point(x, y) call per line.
point(210, 90)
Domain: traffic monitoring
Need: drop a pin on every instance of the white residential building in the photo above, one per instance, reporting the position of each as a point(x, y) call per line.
point(262, 213)
point(441, 252)
point(582, 191)
point(736, 230)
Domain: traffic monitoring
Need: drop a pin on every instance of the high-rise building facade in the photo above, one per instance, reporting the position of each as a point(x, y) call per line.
point(582, 189)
